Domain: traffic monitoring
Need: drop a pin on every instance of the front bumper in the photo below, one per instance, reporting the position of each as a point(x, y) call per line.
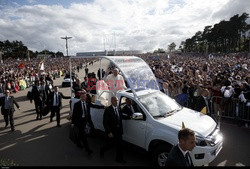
point(205, 155)
point(202, 155)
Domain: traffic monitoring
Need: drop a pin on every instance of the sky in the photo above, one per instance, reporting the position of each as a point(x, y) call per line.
point(98, 25)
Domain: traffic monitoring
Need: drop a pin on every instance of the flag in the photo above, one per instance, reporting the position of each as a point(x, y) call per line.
point(21, 65)
point(204, 110)
point(183, 125)
point(42, 66)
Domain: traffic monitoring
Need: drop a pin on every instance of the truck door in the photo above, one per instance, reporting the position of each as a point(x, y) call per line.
point(133, 130)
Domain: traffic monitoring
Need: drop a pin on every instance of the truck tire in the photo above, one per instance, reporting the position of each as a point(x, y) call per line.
point(160, 154)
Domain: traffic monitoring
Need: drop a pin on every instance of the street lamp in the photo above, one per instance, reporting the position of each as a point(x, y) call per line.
point(66, 38)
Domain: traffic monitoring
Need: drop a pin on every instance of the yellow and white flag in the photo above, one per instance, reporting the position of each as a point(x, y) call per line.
point(183, 125)
point(204, 110)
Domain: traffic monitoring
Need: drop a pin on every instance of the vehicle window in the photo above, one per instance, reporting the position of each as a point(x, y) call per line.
point(159, 105)
point(135, 105)
point(122, 102)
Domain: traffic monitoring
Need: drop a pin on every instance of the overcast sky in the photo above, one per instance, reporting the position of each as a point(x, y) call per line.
point(95, 25)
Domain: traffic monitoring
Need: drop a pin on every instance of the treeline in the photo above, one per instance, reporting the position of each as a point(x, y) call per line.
point(16, 49)
point(225, 36)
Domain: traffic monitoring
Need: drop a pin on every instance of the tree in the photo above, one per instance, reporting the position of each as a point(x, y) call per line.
point(171, 47)
point(225, 36)
point(159, 50)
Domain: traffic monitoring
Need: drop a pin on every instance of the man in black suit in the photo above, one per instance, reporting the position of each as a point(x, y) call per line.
point(45, 91)
point(203, 102)
point(7, 102)
point(55, 104)
point(37, 96)
point(179, 154)
point(81, 116)
point(112, 122)
point(129, 109)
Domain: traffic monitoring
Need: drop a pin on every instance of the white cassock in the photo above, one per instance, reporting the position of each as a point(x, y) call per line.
point(115, 83)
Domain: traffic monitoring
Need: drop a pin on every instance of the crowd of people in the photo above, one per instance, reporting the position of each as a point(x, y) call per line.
point(18, 74)
point(185, 77)
point(192, 80)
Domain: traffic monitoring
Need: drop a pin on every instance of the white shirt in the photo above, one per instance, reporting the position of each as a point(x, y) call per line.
point(229, 93)
point(132, 109)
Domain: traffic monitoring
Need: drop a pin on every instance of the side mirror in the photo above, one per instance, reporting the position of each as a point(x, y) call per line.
point(137, 116)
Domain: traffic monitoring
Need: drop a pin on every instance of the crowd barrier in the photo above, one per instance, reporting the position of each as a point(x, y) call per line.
point(231, 108)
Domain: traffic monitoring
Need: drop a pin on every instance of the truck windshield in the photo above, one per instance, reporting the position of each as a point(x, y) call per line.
point(159, 105)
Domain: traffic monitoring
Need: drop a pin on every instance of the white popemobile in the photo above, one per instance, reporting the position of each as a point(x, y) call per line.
point(159, 118)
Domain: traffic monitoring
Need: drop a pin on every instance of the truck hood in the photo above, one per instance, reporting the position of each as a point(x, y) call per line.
point(202, 124)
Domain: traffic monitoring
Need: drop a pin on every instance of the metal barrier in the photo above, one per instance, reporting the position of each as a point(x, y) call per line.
point(231, 108)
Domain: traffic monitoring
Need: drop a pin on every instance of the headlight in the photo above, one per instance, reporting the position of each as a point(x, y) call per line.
point(209, 141)
point(200, 141)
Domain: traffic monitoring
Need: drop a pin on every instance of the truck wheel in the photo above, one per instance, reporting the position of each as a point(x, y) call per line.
point(160, 154)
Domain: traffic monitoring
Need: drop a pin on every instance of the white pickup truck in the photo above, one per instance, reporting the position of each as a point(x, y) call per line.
point(159, 118)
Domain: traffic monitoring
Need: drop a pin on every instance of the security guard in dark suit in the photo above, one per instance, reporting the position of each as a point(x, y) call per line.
point(112, 122)
point(7, 102)
point(55, 104)
point(179, 154)
point(80, 117)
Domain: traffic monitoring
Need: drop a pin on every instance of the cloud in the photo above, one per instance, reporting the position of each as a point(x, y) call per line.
point(124, 24)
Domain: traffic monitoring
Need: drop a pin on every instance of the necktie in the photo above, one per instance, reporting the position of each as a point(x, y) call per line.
point(56, 99)
point(6, 103)
point(116, 114)
point(84, 109)
point(187, 159)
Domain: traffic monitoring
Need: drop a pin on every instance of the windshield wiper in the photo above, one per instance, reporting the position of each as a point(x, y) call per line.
point(170, 112)
point(158, 116)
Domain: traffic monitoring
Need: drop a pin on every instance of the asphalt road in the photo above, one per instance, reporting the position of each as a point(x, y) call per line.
point(41, 143)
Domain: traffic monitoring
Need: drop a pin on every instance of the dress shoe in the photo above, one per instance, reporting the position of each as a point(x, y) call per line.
point(37, 118)
point(120, 161)
point(58, 125)
point(12, 129)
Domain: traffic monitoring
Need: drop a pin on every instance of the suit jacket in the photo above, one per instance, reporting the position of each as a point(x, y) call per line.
point(176, 158)
point(36, 94)
point(44, 93)
point(110, 122)
point(126, 110)
point(60, 97)
point(77, 113)
point(12, 102)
